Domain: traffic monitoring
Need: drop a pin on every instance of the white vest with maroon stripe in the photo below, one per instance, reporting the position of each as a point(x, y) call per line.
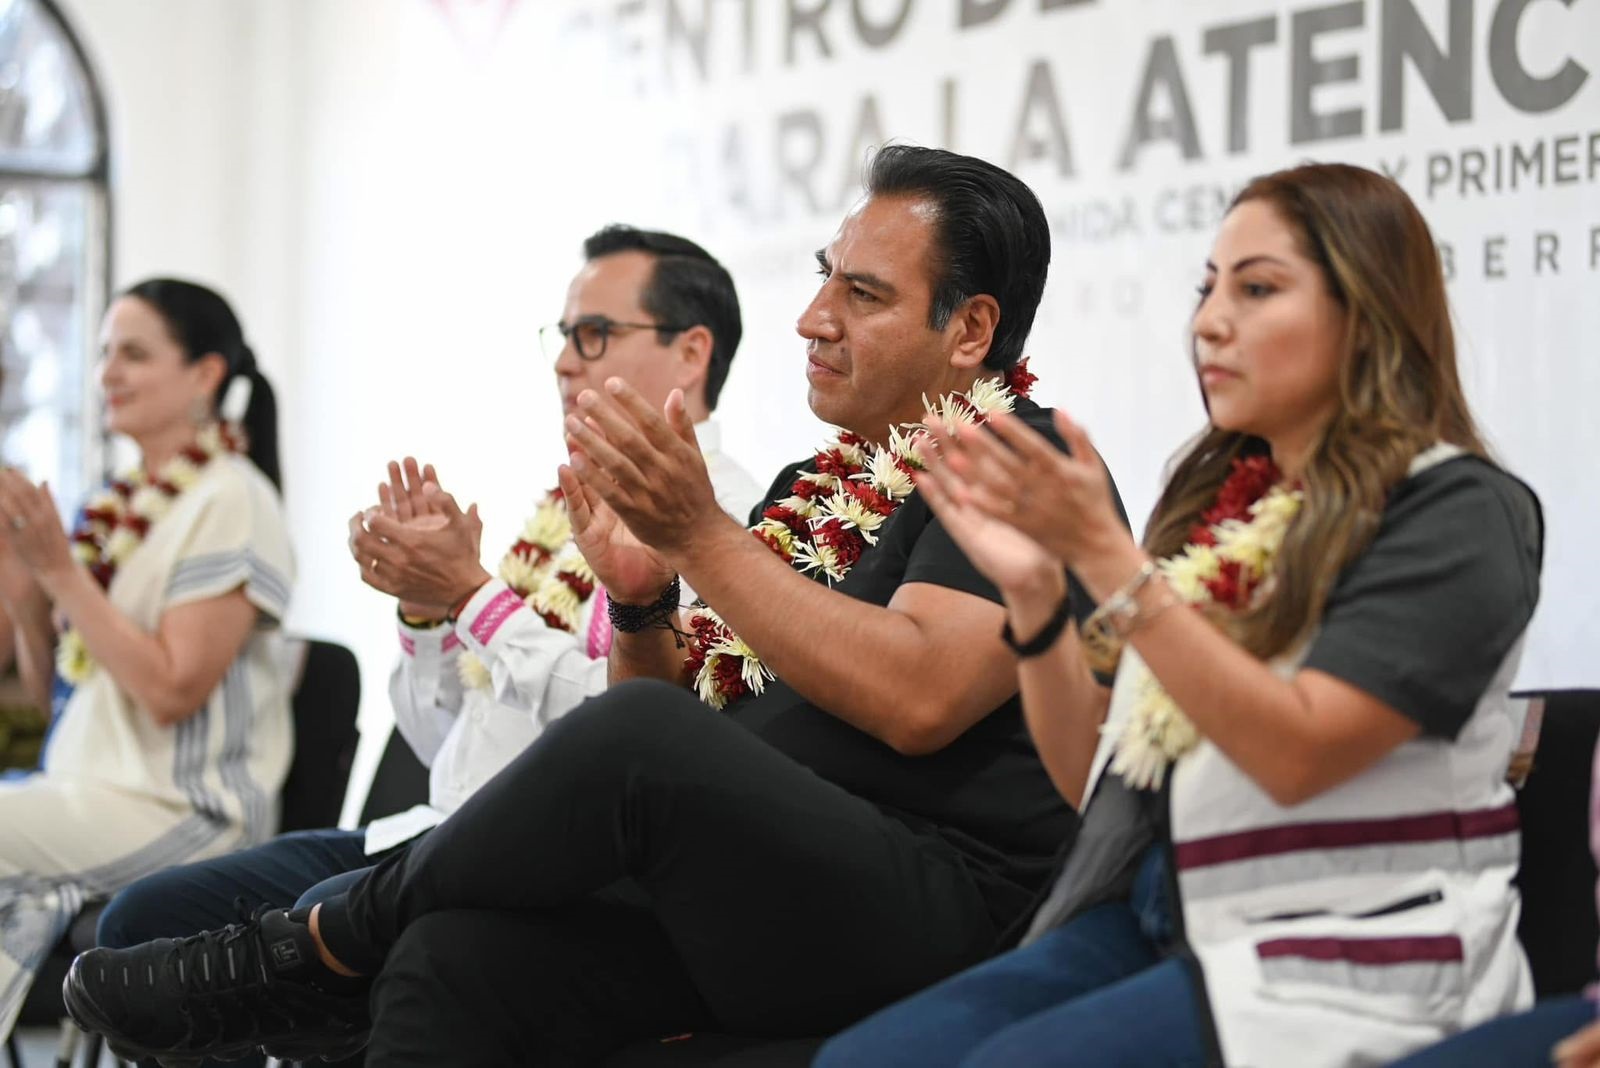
point(1368, 922)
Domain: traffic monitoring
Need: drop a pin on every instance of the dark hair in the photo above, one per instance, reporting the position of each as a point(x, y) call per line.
point(201, 322)
point(687, 287)
point(990, 236)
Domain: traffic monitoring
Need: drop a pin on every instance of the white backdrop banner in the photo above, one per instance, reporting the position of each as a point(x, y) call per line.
point(744, 124)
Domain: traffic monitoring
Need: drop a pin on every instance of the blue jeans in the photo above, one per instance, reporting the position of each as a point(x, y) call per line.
point(1097, 992)
point(292, 869)
point(1525, 1038)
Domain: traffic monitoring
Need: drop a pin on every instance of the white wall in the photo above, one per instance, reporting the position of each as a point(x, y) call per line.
point(395, 204)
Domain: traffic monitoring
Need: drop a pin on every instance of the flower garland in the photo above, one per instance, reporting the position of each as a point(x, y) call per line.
point(1229, 553)
point(117, 520)
point(830, 518)
point(544, 568)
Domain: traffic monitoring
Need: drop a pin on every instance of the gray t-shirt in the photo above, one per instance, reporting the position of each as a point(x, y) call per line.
point(1421, 620)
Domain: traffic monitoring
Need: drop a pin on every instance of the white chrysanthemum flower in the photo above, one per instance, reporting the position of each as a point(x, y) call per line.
point(210, 439)
point(558, 599)
point(148, 502)
point(705, 684)
point(852, 513)
point(803, 507)
point(826, 481)
point(755, 674)
point(73, 661)
point(549, 526)
point(473, 672)
point(952, 416)
point(909, 445)
point(85, 553)
point(1141, 765)
point(1279, 506)
point(779, 533)
point(1187, 572)
point(571, 561)
point(814, 557)
point(180, 472)
point(885, 474)
point(1245, 543)
point(851, 452)
point(105, 501)
point(522, 574)
point(990, 395)
point(121, 544)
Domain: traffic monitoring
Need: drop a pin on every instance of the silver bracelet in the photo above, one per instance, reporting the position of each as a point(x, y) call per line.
point(1122, 607)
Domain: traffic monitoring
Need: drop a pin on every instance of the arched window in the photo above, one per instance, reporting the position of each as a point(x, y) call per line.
point(54, 249)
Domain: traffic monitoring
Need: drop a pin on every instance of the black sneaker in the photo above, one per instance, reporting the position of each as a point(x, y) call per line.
point(220, 994)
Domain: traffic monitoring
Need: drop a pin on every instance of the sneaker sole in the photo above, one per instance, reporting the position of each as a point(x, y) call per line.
point(324, 1051)
point(85, 1014)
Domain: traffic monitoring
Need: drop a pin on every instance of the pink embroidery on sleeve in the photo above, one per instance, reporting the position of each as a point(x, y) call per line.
point(495, 613)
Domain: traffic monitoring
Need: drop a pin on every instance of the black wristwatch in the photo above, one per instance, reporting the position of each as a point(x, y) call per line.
point(1046, 637)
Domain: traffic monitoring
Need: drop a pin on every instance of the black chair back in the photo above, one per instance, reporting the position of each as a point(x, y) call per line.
point(326, 700)
point(400, 782)
point(1559, 929)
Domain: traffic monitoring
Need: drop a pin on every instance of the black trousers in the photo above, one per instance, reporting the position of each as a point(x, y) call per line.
point(649, 867)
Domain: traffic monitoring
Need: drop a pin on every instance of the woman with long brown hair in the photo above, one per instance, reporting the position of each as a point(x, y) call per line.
point(1297, 841)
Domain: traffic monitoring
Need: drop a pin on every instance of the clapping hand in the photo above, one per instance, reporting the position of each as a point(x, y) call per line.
point(1060, 500)
point(417, 544)
point(1011, 559)
point(644, 464)
point(31, 527)
point(631, 571)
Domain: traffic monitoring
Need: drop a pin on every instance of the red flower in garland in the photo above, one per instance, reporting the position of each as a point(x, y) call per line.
point(1248, 481)
point(725, 673)
point(1227, 588)
point(847, 544)
point(773, 542)
point(870, 497)
point(832, 462)
point(1019, 379)
point(787, 516)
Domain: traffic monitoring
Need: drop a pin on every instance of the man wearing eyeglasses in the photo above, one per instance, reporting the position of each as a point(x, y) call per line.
point(651, 308)
point(656, 311)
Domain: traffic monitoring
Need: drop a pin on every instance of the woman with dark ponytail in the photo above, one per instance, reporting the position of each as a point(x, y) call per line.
point(151, 630)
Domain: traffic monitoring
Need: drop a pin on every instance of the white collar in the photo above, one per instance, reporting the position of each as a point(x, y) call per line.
point(709, 435)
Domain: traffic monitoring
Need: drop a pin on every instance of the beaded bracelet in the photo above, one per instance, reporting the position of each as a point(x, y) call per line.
point(632, 618)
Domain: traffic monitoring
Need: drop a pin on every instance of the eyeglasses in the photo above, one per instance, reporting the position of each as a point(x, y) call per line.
point(590, 333)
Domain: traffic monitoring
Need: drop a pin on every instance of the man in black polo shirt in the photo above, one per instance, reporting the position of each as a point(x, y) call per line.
point(875, 819)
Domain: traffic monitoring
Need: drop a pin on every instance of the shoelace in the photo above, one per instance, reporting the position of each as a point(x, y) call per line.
point(213, 962)
point(221, 974)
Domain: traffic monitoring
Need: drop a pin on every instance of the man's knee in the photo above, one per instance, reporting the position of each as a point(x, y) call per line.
point(139, 913)
point(633, 718)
